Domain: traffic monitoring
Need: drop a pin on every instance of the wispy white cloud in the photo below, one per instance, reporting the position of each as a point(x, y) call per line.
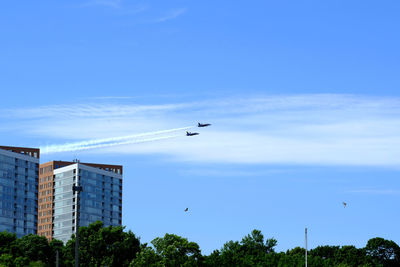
point(111, 97)
point(375, 191)
point(172, 14)
point(107, 3)
point(90, 110)
point(218, 172)
point(289, 129)
point(119, 6)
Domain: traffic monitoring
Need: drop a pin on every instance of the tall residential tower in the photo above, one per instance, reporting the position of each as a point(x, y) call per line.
point(18, 189)
point(100, 199)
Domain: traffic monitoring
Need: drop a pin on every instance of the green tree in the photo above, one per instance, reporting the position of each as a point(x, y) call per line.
point(21, 262)
point(6, 242)
point(170, 250)
point(214, 259)
point(254, 243)
point(34, 248)
point(231, 254)
point(177, 251)
point(147, 257)
point(382, 251)
point(293, 259)
point(100, 246)
point(324, 252)
point(251, 251)
point(350, 256)
point(56, 245)
point(6, 260)
point(296, 251)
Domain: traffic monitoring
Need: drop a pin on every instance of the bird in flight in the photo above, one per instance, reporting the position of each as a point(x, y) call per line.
point(186, 209)
point(344, 204)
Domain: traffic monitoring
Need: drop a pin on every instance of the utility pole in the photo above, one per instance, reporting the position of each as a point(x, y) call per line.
point(76, 190)
point(306, 246)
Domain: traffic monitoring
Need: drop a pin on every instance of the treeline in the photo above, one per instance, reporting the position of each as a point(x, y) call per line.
point(112, 246)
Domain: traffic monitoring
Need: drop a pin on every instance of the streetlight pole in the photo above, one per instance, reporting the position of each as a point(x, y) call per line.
point(76, 190)
point(306, 245)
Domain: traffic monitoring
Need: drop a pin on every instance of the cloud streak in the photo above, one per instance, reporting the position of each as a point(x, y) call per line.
point(107, 3)
point(310, 129)
point(172, 14)
point(375, 191)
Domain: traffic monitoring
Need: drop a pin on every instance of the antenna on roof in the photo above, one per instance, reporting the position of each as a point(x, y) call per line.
point(76, 160)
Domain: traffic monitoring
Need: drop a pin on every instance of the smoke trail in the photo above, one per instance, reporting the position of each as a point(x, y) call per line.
point(95, 143)
point(138, 141)
point(133, 141)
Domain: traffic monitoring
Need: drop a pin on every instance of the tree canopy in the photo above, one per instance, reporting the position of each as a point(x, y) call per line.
point(170, 250)
point(113, 246)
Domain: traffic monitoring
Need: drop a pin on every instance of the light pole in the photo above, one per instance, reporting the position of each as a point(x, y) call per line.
point(76, 190)
point(306, 246)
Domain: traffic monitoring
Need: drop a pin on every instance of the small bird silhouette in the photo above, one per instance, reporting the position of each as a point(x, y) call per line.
point(344, 204)
point(186, 209)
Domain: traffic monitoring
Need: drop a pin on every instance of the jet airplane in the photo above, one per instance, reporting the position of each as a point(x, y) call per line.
point(203, 124)
point(191, 134)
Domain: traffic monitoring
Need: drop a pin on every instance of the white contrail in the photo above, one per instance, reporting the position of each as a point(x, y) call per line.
point(133, 141)
point(96, 143)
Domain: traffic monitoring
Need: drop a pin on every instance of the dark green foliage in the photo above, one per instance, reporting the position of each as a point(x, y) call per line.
point(214, 259)
point(103, 246)
point(170, 250)
point(296, 251)
point(56, 245)
point(350, 256)
point(384, 252)
point(338, 256)
point(6, 239)
point(6, 260)
point(295, 260)
point(111, 246)
point(25, 251)
point(251, 251)
point(325, 252)
point(147, 257)
point(34, 247)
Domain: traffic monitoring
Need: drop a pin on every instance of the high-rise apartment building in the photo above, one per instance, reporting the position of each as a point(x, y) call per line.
point(45, 198)
point(18, 189)
point(100, 199)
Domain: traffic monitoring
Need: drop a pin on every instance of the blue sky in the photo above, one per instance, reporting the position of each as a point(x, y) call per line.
point(303, 97)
